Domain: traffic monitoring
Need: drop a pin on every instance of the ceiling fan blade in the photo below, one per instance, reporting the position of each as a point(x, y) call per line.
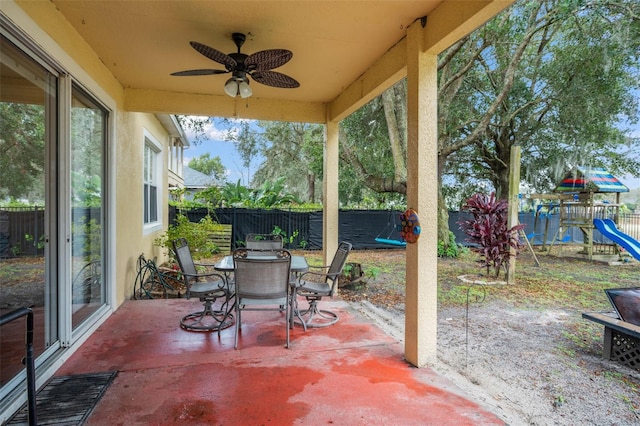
point(268, 59)
point(214, 55)
point(275, 79)
point(189, 73)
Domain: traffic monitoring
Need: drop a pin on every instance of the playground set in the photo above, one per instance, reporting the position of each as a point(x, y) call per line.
point(580, 201)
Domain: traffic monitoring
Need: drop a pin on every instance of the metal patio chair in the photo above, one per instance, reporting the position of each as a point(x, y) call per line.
point(208, 287)
point(314, 285)
point(263, 241)
point(262, 283)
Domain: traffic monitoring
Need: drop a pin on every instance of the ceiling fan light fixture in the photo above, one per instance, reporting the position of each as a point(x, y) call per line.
point(231, 87)
point(244, 89)
point(238, 85)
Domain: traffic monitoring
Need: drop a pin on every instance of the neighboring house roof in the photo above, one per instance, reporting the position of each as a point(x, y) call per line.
point(590, 179)
point(194, 179)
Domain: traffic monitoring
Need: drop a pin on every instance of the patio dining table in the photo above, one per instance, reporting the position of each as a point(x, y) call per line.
point(299, 265)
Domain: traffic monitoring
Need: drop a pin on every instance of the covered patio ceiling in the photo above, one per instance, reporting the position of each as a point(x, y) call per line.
point(344, 52)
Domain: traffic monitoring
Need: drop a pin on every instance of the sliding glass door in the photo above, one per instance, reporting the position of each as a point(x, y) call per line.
point(53, 137)
point(28, 111)
point(88, 132)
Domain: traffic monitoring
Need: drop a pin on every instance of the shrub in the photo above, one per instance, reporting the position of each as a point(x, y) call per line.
point(452, 249)
point(197, 235)
point(488, 231)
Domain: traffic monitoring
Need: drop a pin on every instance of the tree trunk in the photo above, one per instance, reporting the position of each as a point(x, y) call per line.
point(443, 212)
point(311, 179)
point(376, 183)
point(399, 165)
point(443, 221)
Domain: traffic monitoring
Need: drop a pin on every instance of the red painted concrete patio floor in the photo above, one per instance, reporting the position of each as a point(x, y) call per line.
point(351, 373)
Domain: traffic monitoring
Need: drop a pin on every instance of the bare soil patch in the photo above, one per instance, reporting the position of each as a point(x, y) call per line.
point(522, 350)
point(21, 282)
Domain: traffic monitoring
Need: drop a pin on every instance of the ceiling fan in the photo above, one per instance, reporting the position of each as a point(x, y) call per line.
point(257, 65)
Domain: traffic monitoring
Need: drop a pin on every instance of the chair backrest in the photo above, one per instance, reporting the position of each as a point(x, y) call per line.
point(263, 241)
point(337, 264)
point(183, 254)
point(261, 277)
point(339, 259)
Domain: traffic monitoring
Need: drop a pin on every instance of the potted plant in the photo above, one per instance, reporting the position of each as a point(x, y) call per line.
point(488, 233)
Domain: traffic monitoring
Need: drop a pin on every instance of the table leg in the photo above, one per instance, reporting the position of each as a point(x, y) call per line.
point(607, 343)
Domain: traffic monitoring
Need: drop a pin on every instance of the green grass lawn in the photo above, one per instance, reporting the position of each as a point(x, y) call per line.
point(567, 282)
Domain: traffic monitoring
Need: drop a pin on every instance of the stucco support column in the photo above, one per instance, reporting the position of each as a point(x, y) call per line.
point(330, 199)
point(422, 257)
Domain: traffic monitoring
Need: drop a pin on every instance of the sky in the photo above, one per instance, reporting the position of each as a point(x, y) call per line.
point(217, 146)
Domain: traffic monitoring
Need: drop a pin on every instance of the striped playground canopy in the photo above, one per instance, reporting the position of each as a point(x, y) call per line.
point(590, 180)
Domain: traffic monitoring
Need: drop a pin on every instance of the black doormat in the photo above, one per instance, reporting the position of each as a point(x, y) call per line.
point(66, 400)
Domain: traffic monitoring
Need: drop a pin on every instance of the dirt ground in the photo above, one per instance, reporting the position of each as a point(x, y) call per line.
point(520, 350)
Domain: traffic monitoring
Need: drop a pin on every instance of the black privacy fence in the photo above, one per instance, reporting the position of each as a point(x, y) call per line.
point(22, 229)
point(301, 228)
point(365, 229)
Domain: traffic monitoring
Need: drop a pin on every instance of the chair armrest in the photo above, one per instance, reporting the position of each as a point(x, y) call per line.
point(311, 274)
point(205, 269)
point(224, 283)
point(205, 274)
point(320, 266)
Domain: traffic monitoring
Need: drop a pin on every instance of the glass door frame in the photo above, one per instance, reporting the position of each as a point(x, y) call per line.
point(57, 175)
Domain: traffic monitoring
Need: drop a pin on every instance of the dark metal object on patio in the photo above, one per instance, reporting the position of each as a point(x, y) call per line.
point(621, 339)
point(151, 282)
point(68, 400)
point(28, 359)
point(209, 287)
point(621, 327)
point(314, 285)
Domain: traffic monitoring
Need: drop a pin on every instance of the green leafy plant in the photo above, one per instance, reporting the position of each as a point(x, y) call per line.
point(16, 250)
point(452, 249)
point(287, 240)
point(12, 202)
point(39, 244)
point(373, 272)
point(272, 194)
point(210, 197)
point(87, 238)
point(488, 231)
point(235, 195)
point(197, 235)
point(269, 195)
point(346, 270)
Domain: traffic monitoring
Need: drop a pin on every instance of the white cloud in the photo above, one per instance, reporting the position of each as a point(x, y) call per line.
point(223, 135)
point(216, 133)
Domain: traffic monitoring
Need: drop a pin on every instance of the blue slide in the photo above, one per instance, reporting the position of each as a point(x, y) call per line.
point(608, 228)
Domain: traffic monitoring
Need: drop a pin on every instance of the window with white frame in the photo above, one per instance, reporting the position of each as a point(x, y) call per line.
point(151, 177)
